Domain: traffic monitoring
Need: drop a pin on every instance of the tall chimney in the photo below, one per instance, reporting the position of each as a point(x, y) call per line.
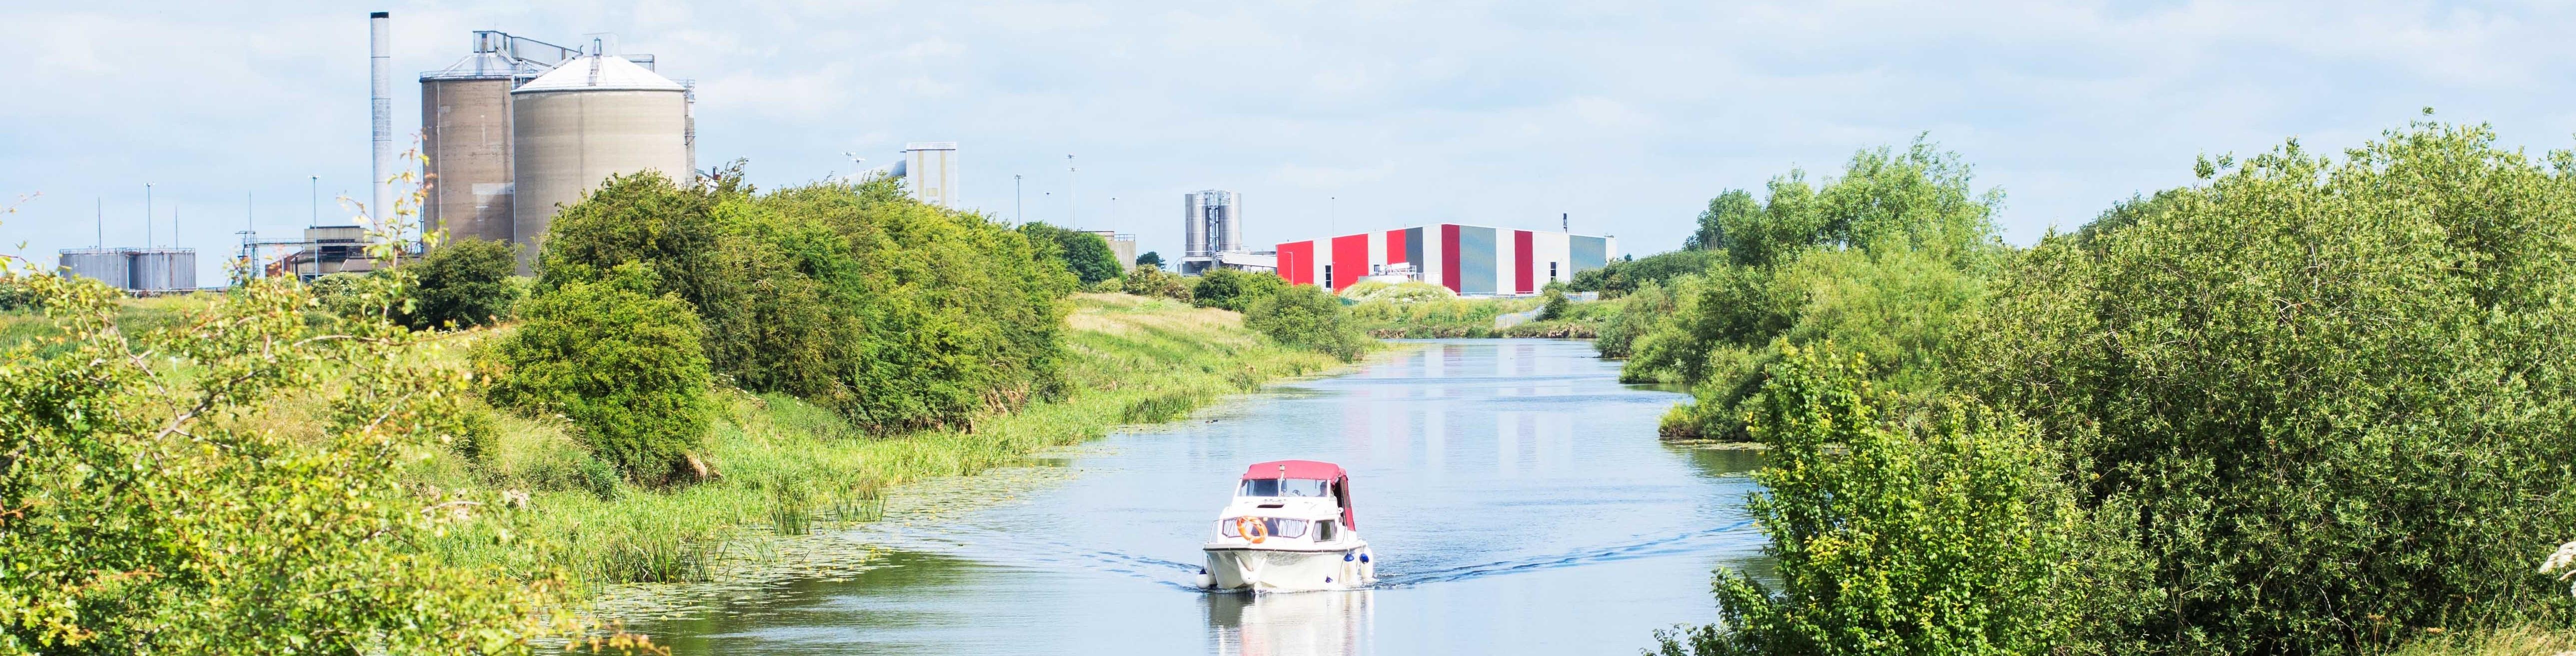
point(381, 67)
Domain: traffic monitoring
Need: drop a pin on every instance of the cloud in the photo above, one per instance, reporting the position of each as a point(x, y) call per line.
point(1626, 115)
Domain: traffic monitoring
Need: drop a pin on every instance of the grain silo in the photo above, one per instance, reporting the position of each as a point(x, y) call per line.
point(590, 118)
point(154, 270)
point(107, 265)
point(465, 129)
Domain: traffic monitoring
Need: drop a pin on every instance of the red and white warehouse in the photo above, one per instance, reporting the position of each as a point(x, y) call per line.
point(1470, 260)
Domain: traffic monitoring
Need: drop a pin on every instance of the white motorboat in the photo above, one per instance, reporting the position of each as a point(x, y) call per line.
point(1289, 527)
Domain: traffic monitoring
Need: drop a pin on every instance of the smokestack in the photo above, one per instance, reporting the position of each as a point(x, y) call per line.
point(381, 66)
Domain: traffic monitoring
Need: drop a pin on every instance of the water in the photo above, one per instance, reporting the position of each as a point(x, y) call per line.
point(1513, 490)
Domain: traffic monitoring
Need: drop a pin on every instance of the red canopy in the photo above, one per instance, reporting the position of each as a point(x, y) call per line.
point(1296, 469)
point(1309, 469)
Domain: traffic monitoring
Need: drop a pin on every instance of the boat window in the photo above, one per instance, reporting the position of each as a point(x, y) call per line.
point(1274, 527)
point(1324, 531)
point(1285, 487)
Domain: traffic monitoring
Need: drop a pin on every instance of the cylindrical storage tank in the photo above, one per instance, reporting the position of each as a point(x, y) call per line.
point(590, 118)
point(465, 134)
point(163, 269)
point(1193, 221)
point(1232, 239)
point(107, 265)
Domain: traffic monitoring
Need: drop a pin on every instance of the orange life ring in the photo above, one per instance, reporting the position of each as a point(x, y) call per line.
point(1251, 528)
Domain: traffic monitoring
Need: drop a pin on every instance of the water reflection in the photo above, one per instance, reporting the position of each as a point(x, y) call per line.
point(1290, 624)
point(1513, 489)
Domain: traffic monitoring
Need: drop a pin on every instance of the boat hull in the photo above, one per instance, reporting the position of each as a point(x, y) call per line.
point(1283, 570)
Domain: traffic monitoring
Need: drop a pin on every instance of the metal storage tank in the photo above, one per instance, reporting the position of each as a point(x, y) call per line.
point(163, 269)
point(107, 265)
point(590, 118)
point(465, 132)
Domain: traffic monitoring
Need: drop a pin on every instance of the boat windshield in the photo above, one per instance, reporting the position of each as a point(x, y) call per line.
point(1285, 487)
point(1270, 526)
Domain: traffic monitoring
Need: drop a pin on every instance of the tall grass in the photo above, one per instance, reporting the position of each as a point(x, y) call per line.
point(787, 467)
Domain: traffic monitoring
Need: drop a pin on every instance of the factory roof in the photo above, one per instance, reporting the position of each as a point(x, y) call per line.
point(596, 73)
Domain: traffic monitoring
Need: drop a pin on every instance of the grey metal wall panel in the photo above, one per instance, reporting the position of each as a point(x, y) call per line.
point(1475, 260)
point(1413, 252)
point(1587, 253)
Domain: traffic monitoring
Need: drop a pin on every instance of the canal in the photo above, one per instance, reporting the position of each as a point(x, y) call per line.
point(1513, 489)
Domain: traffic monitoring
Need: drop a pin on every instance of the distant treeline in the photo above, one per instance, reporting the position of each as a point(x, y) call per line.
point(2311, 404)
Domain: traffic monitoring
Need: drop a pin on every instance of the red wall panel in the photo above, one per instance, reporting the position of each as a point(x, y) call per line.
point(1297, 262)
point(1350, 259)
point(1449, 255)
point(1395, 246)
point(1521, 272)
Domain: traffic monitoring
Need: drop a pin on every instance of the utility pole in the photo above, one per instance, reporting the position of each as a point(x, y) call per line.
point(101, 208)
point(1019, 211)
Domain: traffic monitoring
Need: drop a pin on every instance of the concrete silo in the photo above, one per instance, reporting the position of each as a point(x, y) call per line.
point(590, 118)
point(465, 131)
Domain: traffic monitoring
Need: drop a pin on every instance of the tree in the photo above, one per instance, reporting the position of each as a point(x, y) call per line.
point(1153, 281)
point(620, 363)
point(462, 284)
point(1938, 535)
point(1150, 258)
point(1233, 290)
point(1087, 255)
point(2323, 405)
point(1306, 316)
point(1733, 208)
point(233, 483)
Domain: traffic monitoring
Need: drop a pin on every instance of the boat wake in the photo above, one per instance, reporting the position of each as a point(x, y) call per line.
point(1023, 550)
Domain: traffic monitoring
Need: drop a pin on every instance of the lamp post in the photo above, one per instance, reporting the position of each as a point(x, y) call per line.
point(317, 202)
point(1018, 210)
point(1073, 178)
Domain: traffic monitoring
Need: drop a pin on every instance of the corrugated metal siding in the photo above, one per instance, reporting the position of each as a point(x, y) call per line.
point(1413, 251)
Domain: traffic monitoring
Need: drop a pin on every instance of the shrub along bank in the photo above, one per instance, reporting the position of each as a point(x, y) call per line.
point(2310, 405)
point(785, 461)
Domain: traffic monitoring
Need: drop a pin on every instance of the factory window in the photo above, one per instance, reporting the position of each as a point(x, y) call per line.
point(1551, 270)
point(1328, 276)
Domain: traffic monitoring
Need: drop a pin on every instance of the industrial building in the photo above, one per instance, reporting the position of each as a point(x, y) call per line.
point(1123, 246)
point(143, 271)
point(1212, 233)
point(1469, 260)
point(520, 128)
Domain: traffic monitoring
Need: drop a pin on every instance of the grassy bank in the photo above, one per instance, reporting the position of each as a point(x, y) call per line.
point(786, 466)
point(1474, 317)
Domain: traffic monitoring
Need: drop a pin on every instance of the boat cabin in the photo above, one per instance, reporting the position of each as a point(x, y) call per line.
point(1300, 479)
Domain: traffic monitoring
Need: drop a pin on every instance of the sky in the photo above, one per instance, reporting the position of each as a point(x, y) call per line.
point(1328, 117)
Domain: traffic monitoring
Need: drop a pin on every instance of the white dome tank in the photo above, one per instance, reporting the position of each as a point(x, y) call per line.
point(590, 118)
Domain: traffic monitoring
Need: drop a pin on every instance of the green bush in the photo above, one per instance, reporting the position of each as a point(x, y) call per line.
point(895, 314)
point(622, 365)
point(1153, 282)
point(1087, 255)
point(1233, 290)
point(1639, 311)
point(462, 283)
point(1150, 257)
point(1555, 306)
point(1620, 277)
point(1305, 316)
point(233, 483)
point(1896, 528)
point(2321, 405)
